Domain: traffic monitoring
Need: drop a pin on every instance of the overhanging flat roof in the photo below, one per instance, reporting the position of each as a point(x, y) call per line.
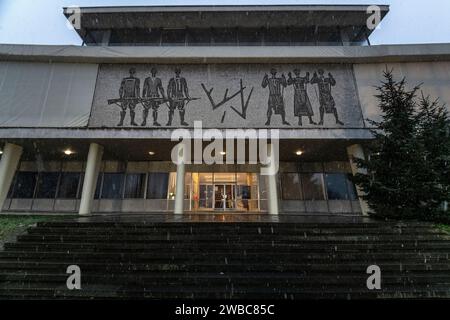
point(324, 54)
point(253, 16)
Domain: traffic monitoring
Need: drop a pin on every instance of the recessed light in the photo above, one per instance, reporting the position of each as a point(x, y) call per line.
point(299, 152)
point(151, 153)
point(68, 152)
point(1, 151)
point(223, 153)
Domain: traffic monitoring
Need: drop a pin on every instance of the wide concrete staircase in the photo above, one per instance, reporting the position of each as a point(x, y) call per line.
point(226, 260)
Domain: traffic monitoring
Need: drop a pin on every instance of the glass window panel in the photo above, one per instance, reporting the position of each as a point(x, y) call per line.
point(225, 177)
point(312, 184)
point(98, 186)
point(134, 185)
point(11, 188)
point(157, 185)
point(68, 185)
point(336, 186)
point(277, 36)
point(262, 187)
point(250, 37)
point(241, 178)
point(205, 178)
point(172, 185)
point(187, 185)
point(224, 37)
point(47, 184)
point(351, 188)
point(199, 37)
point(174, 37)
point(135, 37)
point(25, 184)
point(112, 187)
point(290, 186)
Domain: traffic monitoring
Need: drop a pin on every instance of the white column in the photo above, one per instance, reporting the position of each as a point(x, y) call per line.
point(272, 190)
point(8, 166)
point(356, 151)
point(90, 177)
point(179, 191)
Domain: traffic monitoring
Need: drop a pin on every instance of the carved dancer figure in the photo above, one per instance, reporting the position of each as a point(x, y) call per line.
point(275, 104)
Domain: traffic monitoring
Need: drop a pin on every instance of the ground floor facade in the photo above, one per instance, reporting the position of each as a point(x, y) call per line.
point(302, 186)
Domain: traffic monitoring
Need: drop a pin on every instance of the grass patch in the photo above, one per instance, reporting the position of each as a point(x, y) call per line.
point(444, 227)
point(9, 223)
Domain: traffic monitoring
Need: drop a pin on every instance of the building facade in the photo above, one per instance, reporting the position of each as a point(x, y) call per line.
point(88, 128)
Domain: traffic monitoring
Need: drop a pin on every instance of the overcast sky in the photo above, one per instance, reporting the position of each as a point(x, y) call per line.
point(42, 21)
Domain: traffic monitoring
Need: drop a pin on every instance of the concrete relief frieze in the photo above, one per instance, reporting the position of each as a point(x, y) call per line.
point(226, 96)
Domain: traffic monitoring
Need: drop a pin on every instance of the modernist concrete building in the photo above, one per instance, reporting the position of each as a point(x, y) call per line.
point(88, 128)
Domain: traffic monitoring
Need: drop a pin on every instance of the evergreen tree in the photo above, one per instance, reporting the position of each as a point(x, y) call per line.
point(393, 166)
point(434, 135)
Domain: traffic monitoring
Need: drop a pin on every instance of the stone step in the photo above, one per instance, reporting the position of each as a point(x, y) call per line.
point(238, 231)
point(435, 246)
point(102, 291)
point(183, 256)
point(242, 279)
point(200, 266)
point(225, 238)
point(226, 260)
point(221, 225)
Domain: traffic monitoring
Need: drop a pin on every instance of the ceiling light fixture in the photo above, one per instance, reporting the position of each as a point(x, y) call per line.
point(151, 153)
point(68, 152)
point(299, 152)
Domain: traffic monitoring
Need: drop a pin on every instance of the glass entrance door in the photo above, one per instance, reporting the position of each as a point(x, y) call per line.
point(220, 191)
point(224, 198)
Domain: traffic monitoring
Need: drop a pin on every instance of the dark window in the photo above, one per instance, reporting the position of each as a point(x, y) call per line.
point(25, 184)
point(112, 187)
point(337, 186)
point(174, 37)
point(277, 36)
point(135, 37)
point(225, 37)
point(68, 185)
point(291, 187)
point(312, 186)
point(11, 188)
point(157, 185)
point(329, 36)
point(250, 37)
point(98, 187)
point(199, 37)
point(303, 36)
point(134, 185)
point(351, 188)
point(47, 184)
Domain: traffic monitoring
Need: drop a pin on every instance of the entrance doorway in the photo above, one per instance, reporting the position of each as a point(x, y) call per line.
point(225, 192)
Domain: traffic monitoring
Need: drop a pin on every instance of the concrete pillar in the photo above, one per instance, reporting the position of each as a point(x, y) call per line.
point(356, 151)
point(90, 178)
point(272, 189)
point(8, 166)
point(179, 190)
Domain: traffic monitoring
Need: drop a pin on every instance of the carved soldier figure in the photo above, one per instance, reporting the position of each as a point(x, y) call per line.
point(275, 103)
point(302, 105)
point(129, 94)
point(153, 91)
point(178, 94)
point(327, 104)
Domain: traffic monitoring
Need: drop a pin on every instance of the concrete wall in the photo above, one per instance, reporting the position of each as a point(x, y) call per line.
point(46, 94)
point(434, 77)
